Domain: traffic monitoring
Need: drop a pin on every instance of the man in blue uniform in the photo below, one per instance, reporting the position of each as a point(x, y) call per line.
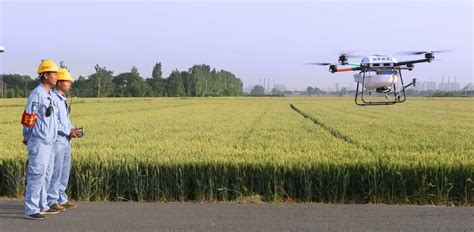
point(40, 129)
point(57, 197)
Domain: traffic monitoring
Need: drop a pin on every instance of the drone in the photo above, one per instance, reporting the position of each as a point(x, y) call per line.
point(379, 74)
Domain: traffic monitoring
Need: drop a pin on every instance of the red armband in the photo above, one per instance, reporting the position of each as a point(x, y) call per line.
point(28, 119)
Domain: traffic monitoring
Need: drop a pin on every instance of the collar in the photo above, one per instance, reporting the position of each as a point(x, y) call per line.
point(61, 96)
point(43, 89)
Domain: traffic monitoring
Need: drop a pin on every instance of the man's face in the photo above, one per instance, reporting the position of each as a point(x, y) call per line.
point(51, 78)
point(64, 86)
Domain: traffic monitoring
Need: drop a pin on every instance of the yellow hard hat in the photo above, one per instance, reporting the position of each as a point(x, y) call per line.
point(64, 75)
point(47, 66)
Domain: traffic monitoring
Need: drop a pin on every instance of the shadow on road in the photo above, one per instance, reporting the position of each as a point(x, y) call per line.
point(11, 211)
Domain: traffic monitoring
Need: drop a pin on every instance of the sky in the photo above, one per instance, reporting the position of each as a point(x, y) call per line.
point(252, 39)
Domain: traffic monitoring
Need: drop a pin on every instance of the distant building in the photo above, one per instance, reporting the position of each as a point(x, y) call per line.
point(454, 86)
point(449, 86)
point(248, 89)
point(468, 87)
point(426, 86)
point(431, 85)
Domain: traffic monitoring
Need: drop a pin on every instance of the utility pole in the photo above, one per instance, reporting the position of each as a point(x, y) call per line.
point(268, 85)
point(442, 83)
point(457, 86)
point(449, 83)
point(2, 49)
point(98, 87)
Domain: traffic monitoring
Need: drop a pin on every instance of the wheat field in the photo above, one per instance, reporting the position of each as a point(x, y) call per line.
point(280, 149)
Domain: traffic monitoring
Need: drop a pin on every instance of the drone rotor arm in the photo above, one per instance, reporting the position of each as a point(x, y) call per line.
point(355, 64)
point(409, 62)
point(346, 69)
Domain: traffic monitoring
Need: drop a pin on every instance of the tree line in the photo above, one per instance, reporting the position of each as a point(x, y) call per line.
point(198, 81)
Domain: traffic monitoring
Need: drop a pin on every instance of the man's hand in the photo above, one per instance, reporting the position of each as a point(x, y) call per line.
point(73, 133)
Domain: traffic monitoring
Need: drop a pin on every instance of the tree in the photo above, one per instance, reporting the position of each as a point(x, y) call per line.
point(131, 84)
point(121, 85)
point(279, 89)
point(101, 81)
point(200, 75)
point(342, 92)
point(15, 85)
point(174, 85)
point(257, 90)
point(62, 65)
point(83, 87)
point(318, 91)
point(186, 83)
point(199, 80)
point(157, 82)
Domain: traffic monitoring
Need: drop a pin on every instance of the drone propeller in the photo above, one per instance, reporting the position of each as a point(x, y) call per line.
point(320, 64)
point(422, 52)
point(349, 54)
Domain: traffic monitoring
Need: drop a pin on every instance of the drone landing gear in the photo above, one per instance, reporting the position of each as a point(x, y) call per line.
point(396, 96)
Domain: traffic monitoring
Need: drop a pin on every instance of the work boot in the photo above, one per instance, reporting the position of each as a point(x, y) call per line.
point(36, 216)
point(50, 211)
point(58, 207)
point(69, 205)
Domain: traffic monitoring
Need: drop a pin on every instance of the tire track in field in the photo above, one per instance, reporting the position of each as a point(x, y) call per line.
point(124, 111)
point(12, 106)
point(334, 132)
point(253, 125)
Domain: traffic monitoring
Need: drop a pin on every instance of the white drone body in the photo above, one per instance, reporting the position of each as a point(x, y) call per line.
point(380, 74)
point(385, 76)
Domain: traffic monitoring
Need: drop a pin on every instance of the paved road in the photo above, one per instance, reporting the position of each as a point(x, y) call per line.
point(121, 216)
